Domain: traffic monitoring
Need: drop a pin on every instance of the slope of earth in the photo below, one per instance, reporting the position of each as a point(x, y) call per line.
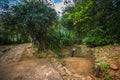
point(12, 68)
point(17, 62)
point(39, 69)
point(108, 58)
point(73, 68)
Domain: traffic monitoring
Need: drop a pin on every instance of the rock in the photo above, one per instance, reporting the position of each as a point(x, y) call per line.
point(59, 66)
point(62, 72)
point(76, 75)
point(114, 66)
point(88, 78)
point(63, 63)
point(68, 72)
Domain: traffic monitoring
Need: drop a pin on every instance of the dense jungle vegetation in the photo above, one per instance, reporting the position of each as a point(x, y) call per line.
point(89, 22)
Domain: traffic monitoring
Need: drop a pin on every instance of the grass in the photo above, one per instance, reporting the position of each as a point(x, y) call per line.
point(105, 67)
point(106, 77)
point(100, 60)
point(114, 56)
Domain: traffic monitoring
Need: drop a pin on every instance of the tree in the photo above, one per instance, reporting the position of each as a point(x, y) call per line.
point(77, 17)
point(33, 19)
point(96, 22)
point(105, 18)
point(5, 5)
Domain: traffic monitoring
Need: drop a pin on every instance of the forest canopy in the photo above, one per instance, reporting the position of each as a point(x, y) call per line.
point(96, 22)
point(89, 22)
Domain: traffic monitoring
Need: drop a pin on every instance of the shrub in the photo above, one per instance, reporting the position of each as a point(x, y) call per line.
point(97, 37)
point(105, 67)
point(59, 37)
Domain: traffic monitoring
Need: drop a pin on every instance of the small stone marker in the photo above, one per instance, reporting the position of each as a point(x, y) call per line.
point(73, 52)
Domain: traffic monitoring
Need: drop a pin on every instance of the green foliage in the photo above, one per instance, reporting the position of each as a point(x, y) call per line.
point(91, 22)
point(115, 56)
point(40, 55)
point(106, 77)
point(105, 14)
point(57, 38)
point(105, 67)
point(100, 60)
point(76, 17)
point(58, 55)
point(80, 13)
point(95, 22)
point(60, 37)
point(10, 35)
point(32, 19)
point(97, 37)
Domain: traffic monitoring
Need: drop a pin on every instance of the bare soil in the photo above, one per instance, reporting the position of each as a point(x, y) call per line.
point(17, 62)
point(110, 55)
point(81, 66)
point(37, 69)
point(13, 68)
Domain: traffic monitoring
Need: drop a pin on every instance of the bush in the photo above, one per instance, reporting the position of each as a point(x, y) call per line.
point(8, 36)
point(105, 67)
point(97, 37)
point(59, 37)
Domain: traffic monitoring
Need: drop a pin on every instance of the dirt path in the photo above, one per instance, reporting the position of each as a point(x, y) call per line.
point(39, 69)
point(14, 54)
point(12, 68)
